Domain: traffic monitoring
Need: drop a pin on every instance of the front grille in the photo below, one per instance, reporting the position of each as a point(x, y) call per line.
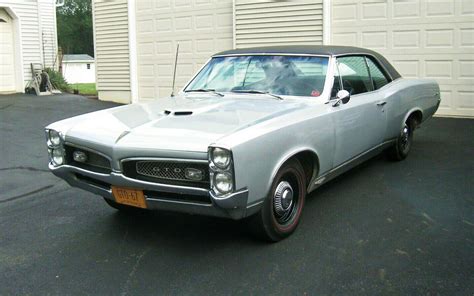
point(95, 162)
point(167, 172)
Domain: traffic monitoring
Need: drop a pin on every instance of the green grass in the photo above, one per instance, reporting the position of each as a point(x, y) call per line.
point(85, 88)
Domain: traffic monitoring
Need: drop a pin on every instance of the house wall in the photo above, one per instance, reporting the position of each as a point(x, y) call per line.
point(422, 38)
point(201, 28)
point(30, 19)
point(111, 46)
point(77, 72)
point(263, 23)
point(48, 32)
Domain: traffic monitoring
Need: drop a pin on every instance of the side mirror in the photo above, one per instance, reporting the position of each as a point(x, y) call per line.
point(342, 96)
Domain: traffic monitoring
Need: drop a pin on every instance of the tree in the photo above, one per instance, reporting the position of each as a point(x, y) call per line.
point(75, 31)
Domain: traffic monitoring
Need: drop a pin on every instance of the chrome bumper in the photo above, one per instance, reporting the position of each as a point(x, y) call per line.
point(232, 206)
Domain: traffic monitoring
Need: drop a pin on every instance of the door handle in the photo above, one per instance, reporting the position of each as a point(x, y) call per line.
point(381, 103)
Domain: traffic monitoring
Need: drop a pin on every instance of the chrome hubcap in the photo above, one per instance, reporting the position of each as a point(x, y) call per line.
point(283, 201)
point(405, 137)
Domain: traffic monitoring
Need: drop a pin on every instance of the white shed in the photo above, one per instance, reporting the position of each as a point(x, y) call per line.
point(78, 68)
point(27, 35)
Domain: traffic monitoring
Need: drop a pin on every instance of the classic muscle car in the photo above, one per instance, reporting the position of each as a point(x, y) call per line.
point(250, 135)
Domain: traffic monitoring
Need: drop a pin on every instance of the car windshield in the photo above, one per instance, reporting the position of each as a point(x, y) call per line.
point(272, 74)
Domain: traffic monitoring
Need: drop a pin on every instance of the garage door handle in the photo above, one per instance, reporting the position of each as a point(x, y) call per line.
point(381, 103)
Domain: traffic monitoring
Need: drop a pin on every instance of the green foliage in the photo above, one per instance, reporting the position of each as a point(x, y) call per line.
point(85, 88)
point(74, 22)
point(57, 80)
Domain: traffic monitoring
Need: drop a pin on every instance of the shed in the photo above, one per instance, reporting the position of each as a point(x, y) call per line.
point(78, 68)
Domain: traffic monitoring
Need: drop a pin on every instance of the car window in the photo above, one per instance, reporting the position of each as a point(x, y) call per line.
point(280, 75)
point(378, 77)
point(355, 74)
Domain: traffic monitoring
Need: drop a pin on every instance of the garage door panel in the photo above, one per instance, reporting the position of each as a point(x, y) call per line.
point(423, 39)
point(200, 27)
point(7, 53)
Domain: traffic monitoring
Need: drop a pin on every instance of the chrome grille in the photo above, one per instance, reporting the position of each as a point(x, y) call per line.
point(171, 170)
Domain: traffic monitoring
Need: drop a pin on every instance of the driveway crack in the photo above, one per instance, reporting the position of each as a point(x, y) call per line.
point(26, 194)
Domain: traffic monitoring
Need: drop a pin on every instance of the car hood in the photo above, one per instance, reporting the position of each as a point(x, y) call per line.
point(186, 123)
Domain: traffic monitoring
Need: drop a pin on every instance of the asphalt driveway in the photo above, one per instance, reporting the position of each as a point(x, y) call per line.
point(403, 228)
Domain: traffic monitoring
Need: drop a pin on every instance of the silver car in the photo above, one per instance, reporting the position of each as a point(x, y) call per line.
point(249, 136)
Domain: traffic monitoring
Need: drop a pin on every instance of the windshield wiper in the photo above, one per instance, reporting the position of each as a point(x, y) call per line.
point(213, 91)
point(254, 91)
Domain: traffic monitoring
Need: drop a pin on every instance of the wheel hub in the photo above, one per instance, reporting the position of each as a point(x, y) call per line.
point(283, 199)
point(405, 136)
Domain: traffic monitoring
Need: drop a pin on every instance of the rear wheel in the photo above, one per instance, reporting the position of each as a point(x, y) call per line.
point(402, 147)
point(282, 208)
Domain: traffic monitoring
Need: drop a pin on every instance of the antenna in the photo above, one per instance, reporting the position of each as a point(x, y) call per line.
point(174, 73)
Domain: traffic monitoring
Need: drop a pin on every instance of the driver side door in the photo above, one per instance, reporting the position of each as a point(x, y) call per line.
point(360, 123)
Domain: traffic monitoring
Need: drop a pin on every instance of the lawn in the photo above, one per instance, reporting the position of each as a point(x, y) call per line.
point(85, 88)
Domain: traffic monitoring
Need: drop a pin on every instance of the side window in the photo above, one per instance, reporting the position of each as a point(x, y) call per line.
point(355, 74)
point(377, 75)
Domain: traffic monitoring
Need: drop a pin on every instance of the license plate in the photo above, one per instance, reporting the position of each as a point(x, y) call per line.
point(129, 197)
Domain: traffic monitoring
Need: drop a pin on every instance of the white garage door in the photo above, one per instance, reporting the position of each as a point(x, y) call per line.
point(7, 69)
point(201, 27)
point(422, 38)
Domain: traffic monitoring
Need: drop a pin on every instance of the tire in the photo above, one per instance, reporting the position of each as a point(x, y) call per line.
point(402, 147)
point(280, 215)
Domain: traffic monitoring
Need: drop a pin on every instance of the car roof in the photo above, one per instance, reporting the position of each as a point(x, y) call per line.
point(298, 49)
point(325, 50)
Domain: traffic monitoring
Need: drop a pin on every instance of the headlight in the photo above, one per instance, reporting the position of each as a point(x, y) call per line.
point(223, 182)
point(57, 156)
point(220, 157)
point(54, 138)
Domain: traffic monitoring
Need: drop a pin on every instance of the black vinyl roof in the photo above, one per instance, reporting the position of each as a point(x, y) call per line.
point(329, 50)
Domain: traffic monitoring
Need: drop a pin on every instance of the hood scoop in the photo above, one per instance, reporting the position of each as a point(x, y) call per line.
point(178, 113)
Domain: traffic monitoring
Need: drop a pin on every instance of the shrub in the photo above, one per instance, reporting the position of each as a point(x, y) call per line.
point(57, 80)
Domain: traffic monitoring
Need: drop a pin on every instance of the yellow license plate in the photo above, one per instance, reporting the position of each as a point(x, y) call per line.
point(129, 197)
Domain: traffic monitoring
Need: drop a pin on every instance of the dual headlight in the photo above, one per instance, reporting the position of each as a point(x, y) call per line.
point(222, 171)
point(55, 147)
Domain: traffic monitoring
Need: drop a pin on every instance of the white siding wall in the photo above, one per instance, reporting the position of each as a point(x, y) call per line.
point(112, 50)
point(269, 22)
point(202, 28)
point(48, 32)
point(423, 38)
point(77, 72)
point(27, 11)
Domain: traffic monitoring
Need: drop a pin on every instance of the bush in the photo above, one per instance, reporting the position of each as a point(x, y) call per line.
point(57, 80)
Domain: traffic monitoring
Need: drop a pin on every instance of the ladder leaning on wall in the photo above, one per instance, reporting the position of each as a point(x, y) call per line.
point(40, 83)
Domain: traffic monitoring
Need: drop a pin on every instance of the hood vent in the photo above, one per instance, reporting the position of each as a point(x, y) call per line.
point(178, 113)
point(182, 113)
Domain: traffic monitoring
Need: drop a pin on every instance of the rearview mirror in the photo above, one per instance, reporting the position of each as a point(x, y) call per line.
point(342, 96)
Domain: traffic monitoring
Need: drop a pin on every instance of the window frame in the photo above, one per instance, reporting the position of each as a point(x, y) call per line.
point(365, 56)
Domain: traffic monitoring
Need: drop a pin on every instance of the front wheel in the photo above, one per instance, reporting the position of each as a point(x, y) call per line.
point(282, 208)
point(402, 147)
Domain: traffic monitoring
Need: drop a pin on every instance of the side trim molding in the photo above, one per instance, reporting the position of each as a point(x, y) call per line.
point(349, 164)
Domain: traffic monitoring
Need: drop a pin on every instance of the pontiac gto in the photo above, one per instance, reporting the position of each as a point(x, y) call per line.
point(249, 136)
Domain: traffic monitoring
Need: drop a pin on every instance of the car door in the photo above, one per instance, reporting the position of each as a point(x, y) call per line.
point(360, 123)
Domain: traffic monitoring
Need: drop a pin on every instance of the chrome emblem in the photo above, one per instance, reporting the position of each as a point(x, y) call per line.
point(166, 170)
point(193, 174)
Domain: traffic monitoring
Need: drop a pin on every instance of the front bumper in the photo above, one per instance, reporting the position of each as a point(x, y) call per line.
point(232, 206)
